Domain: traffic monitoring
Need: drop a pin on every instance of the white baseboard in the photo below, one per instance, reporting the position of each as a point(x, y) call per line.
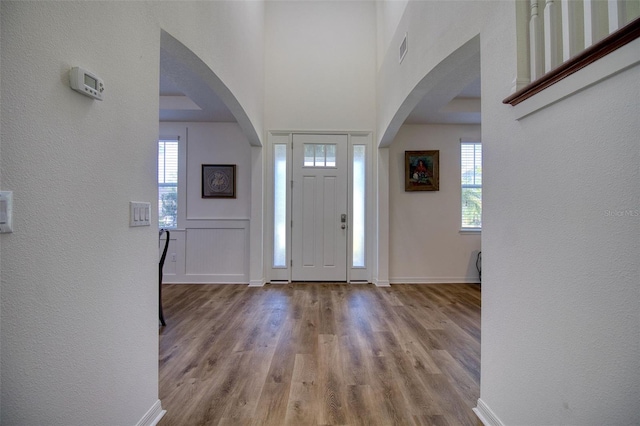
point(380, 283)
point(486, 416)
point(206, 279)
point(434, 280)
point(153, 416)
point(185, 282)
point(256, 283)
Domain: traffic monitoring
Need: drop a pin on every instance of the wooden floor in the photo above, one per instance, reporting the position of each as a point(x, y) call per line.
point(320, 354)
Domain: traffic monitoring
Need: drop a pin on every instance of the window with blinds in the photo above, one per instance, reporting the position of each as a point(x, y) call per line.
point(168, 183)
point(471, 184)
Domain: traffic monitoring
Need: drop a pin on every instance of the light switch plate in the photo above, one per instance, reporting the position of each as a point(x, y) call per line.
point(6, 208)
point(139, 213)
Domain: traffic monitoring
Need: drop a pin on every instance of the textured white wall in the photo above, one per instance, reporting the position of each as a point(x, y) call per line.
point(79, 292)
point(425, 243)
point(79, 287)
point(0, 236)
point(561, 244)
point(560, 237)
point(218, 143)
point(388, 16)
point(320, 65)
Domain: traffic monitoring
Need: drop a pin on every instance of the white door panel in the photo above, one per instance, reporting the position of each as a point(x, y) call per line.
point(319, 237)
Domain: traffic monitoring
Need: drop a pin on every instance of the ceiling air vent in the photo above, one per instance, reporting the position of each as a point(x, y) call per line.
point(403, 48)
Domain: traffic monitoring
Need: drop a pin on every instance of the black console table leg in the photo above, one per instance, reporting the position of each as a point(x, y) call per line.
point(162, 258)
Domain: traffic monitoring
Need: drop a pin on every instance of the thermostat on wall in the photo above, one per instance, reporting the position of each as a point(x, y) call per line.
point(86, 82)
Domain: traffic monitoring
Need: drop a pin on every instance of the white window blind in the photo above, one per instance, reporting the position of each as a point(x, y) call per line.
point(167, 183)
point(471, 184)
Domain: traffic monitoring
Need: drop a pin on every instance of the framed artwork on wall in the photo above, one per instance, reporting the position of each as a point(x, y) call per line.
point(218, 181)
point(421, 170)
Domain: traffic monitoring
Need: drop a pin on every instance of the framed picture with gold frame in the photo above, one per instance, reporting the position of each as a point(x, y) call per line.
point(421, 170)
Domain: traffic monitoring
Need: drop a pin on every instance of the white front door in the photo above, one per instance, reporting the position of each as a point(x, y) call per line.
point(319, 208)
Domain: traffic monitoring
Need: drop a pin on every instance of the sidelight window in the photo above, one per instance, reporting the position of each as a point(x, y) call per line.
point(280, 205)
point(359, 191)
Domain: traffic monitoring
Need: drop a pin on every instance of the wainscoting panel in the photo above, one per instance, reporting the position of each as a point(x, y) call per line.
point(215, 251)
point(210, 252)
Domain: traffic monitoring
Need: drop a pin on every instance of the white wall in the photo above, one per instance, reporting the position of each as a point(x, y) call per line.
point(79, 336)
point(388, 15)
point(435, 30)
point(320, 65)
point(560, 340)
point(560, 237)
point(0, 236)
point(79, 287)
point(229, 37)
point(211, 244)
point(217, 143)
point(426, 245)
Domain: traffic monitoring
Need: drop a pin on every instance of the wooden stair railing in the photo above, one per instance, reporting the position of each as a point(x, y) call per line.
point(613, 41)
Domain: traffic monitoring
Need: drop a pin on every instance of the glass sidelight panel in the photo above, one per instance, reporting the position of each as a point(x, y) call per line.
point(280, 205)
point(359, 188)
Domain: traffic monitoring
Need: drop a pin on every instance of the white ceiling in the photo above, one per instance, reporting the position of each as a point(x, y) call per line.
point(185, 97)
point(462, 109)
point(205, 105)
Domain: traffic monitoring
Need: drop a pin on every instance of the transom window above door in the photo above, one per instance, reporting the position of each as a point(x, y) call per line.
point(319, 155)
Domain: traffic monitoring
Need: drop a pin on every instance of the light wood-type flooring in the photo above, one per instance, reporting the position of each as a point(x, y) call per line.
point(320, 354)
